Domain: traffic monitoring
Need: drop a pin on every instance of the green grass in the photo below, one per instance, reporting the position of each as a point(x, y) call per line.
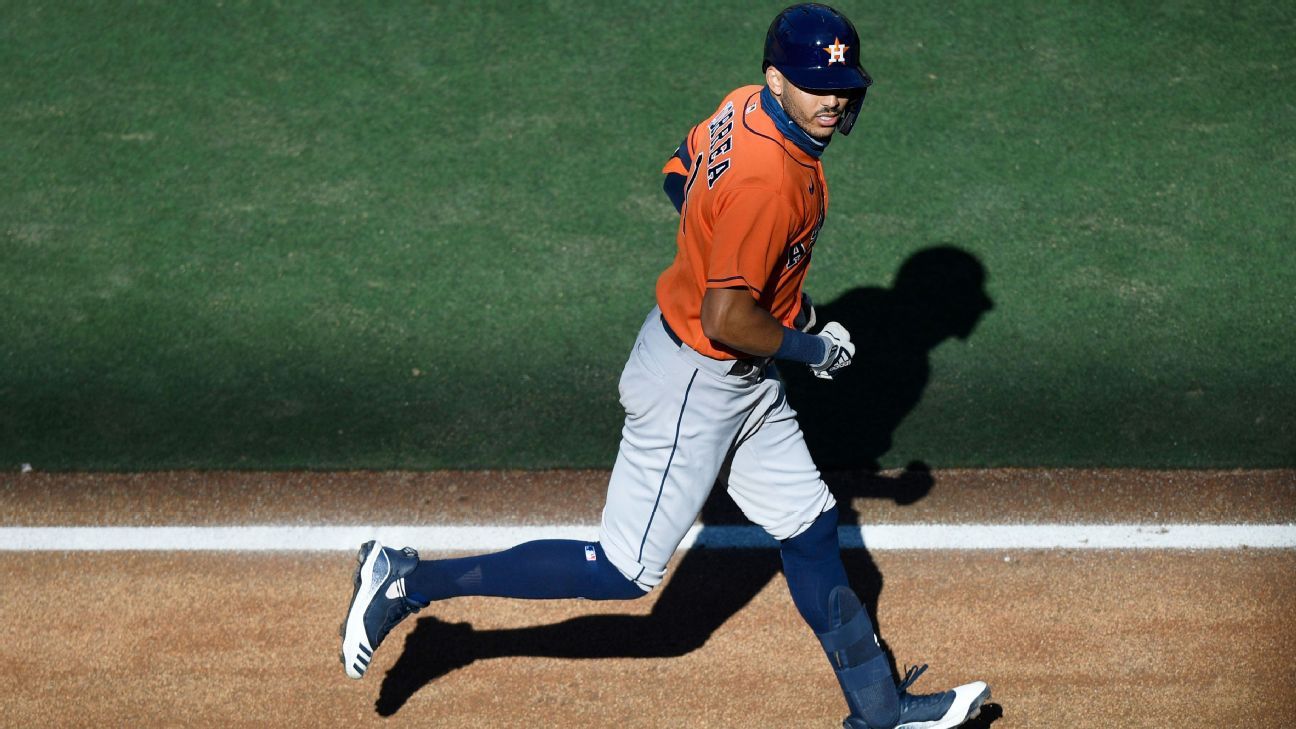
point(270, 235)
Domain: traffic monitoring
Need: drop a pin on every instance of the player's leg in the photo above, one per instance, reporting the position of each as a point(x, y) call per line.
point(390, 584)
point(538, 570)
point(775, 482)
point(683, 415)
point(670, 453)
point(671, 448)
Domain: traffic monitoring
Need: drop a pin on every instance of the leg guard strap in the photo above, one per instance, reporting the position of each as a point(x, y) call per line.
point(875, 670)
point(845, 636)
point(849, 640)
point(862, 669)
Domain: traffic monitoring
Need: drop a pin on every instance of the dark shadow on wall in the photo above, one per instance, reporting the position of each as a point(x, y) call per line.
point(849, 423)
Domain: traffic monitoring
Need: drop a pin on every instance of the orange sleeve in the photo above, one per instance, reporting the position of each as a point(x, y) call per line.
point(752, 228)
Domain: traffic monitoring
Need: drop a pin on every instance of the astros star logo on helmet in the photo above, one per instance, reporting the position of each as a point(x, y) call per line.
point(836, 52)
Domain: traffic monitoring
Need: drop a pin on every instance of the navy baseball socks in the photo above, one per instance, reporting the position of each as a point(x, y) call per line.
point(392, 583)
point(817, 580)
point(540, 570)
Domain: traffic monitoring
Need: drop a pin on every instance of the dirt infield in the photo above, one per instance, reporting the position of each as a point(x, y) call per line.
point(1066, 638)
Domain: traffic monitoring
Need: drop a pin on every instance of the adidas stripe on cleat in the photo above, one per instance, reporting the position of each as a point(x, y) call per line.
point(378, 603)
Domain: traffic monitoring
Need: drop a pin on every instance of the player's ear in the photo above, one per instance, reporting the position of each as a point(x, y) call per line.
point(774, 80)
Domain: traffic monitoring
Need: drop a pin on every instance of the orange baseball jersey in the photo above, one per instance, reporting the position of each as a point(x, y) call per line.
point(754, 203)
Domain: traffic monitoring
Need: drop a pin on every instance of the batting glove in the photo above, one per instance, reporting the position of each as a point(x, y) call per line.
point(840, 351)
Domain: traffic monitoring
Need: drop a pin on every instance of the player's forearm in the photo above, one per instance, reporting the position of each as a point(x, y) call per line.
point(732, 317)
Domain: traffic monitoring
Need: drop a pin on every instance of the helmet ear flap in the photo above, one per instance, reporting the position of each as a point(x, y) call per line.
point(851, 113)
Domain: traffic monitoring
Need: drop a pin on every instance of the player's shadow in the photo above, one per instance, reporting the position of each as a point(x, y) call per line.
point(937, 295)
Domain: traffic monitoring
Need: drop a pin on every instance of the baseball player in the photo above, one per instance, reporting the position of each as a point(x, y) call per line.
point(701, 391)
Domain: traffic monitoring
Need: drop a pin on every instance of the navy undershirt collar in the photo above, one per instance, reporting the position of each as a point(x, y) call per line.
point(794, 133)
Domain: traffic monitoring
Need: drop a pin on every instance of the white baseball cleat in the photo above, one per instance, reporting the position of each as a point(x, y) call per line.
point(944, 710)
point(966, 704)
point(378, 603)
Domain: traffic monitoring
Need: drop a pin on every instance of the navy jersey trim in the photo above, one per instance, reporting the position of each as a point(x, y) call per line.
point(673, 186)
point(735, 279)
point(682, 153)
point(729, 279)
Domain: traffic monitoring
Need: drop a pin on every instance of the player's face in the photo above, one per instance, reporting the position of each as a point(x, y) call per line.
point(817, 112)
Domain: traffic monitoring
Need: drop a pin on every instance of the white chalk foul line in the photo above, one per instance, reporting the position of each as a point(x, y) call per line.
point(489, 538)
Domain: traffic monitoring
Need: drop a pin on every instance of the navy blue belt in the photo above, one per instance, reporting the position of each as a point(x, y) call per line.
point(741, 367)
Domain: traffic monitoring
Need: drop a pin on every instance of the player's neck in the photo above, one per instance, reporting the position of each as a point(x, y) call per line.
point(793, 133)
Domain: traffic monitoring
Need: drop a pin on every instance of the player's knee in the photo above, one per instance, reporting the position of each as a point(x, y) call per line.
point(608, 583)
point(634, 591)
point(817, 542)
point(612, 585)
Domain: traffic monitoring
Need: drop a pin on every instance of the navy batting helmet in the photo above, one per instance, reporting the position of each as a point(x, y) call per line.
point(817, 48)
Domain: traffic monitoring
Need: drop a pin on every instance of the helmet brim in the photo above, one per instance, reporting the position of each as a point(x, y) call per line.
point(829, 78)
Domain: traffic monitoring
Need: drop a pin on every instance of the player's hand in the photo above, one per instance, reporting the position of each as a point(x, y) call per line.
point(805, 319)
point(840, 351)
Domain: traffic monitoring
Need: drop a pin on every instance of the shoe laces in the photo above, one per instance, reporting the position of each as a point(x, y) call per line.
point(917, 704)
point(911, 674)
point(397, 610)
